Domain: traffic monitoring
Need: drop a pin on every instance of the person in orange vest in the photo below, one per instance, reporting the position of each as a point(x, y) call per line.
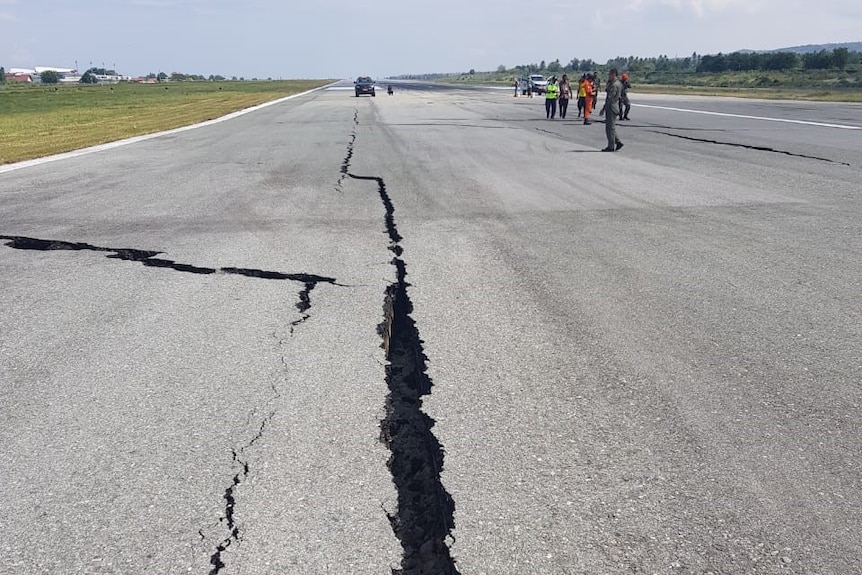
point(589, 100)
point(582, 94)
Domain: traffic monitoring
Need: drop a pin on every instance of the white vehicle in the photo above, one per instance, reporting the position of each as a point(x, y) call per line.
point(538, 83)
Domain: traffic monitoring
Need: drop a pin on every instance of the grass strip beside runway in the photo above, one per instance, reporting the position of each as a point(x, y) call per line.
point(37, 121)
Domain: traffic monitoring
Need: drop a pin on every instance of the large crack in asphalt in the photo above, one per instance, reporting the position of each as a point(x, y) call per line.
point(239, 461)
point(748, 147)
point(424, 520)
point(148, 258)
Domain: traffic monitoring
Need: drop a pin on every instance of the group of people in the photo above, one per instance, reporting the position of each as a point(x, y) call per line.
point(617, 105)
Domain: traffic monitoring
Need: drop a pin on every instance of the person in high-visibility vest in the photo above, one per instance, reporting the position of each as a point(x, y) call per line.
point(551, 93)
point(582, 94)
point(589, 100)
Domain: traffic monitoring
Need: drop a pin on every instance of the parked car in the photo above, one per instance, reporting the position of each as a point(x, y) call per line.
point(538, 83)
point(364, 85)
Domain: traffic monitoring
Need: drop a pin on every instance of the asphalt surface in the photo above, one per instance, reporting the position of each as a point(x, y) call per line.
point(438, 333)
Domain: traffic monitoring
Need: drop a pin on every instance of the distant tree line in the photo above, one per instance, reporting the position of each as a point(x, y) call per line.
point(836, 59)
point(771, 61)
point(180, 77)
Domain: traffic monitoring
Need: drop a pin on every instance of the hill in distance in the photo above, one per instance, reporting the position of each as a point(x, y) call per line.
point(809, 48)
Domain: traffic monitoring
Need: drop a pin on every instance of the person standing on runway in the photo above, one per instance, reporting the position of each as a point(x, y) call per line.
point(589, 99)
point(551, 93)
point(611, 111)
point(625, 105)
point(582, 94)
point(565, 96)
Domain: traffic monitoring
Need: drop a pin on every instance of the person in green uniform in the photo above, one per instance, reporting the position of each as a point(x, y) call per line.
point(611, 111)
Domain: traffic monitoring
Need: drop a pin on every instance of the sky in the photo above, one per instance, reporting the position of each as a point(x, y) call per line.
point(345, 38)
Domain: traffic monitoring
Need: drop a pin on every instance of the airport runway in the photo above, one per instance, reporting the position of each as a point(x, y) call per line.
point(435, 332)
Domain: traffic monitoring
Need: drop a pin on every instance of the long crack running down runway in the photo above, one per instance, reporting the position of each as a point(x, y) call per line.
point(425, 516)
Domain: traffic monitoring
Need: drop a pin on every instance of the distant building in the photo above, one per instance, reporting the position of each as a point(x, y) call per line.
point(18, 77)
point(60, 71)
point(66, 75)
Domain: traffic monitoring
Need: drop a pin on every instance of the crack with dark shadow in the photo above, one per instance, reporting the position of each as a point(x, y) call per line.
point(748, 147)
point(424, 519)
point(345, 165)
point(233, 531)
point(148, 258)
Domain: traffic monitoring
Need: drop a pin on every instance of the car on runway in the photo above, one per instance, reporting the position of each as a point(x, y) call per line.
point(364, 85)
point(538, 83)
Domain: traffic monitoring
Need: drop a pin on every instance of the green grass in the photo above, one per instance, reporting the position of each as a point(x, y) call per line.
point(813, 85)
point(41, 120)
point(814, 95)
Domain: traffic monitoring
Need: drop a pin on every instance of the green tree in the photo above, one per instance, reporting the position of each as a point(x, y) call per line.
point(49, 77)
point(780, 61)
point(88, 78)
point(840, 56)
point(2, 75)
point(712, 63)
point(817, 60)
point(555, 66)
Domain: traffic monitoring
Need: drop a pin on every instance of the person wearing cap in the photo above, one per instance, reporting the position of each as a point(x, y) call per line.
point(611, 110)
point(551, 93)
point(625, 105)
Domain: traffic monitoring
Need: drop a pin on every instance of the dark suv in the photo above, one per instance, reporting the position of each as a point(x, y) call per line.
point(364, 85)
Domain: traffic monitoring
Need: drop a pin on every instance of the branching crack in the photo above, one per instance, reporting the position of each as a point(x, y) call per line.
point(148, 258)
point(228, 520)
point(748, 147)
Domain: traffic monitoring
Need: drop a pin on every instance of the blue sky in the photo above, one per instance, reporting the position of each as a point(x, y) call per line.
point(344, 38)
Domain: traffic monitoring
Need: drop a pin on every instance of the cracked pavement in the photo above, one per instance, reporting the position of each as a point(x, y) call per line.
point(428, 333)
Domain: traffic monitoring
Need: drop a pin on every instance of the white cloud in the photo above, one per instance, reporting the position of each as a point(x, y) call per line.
point(8, 16)
point(153, 3)
point(699, 7)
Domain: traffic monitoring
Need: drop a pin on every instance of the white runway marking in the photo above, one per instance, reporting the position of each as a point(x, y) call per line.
point(784, 120)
